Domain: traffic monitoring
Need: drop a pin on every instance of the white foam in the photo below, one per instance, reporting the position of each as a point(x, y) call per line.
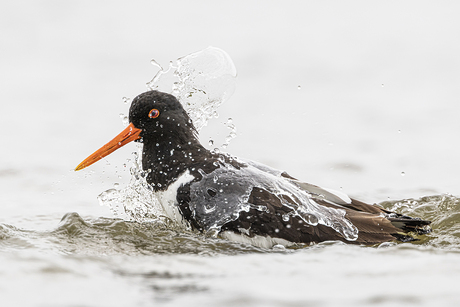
point(259, 241)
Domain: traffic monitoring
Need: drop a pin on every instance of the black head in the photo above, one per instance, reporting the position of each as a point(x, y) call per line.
point(160, 116)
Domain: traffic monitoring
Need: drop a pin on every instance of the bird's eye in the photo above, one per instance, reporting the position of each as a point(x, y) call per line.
point(154, 113)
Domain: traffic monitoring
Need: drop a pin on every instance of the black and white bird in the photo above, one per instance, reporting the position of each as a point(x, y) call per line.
point(242, 200)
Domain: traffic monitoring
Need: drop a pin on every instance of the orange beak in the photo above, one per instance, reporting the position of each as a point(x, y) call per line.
point(131, 133)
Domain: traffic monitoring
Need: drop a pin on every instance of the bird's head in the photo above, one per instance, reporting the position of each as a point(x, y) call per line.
point(155, 117)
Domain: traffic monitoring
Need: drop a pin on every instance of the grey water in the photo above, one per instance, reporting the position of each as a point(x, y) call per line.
point(355, 96)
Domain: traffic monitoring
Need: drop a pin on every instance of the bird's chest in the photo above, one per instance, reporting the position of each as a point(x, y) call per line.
point(168, 199)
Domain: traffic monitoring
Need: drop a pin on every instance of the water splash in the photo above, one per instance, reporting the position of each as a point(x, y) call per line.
point(136, 200)
point(232, 133)
point(201, 81)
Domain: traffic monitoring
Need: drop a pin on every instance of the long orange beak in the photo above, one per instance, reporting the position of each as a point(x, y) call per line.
point(131, 133)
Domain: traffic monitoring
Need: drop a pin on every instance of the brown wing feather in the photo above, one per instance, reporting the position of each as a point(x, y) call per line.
point(370, 220)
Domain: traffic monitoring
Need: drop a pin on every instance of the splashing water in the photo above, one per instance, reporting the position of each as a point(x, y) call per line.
point(231, 135)
point(136, 201)
point(201, 81)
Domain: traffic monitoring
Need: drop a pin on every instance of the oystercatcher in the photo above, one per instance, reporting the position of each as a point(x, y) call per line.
point(242, 200)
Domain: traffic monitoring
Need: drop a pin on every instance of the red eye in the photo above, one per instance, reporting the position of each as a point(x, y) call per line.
point(154, 113)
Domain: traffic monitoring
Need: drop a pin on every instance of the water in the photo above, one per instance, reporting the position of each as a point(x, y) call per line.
point(118, 263)
point(383, 94)
point(201, 81)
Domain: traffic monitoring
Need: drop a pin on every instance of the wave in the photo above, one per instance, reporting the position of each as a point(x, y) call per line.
point(101, 236)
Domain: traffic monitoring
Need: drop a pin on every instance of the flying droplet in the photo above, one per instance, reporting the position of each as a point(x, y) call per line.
point(155, 63)
point(299, 87)
point(211, 142)
point(403, 174)
point(126, 100)
point(124, 119)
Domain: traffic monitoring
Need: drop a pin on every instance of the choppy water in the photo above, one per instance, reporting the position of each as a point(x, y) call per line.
point(347, 95)
point(114, 262)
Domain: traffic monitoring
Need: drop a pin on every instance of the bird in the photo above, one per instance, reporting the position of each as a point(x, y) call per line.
point(240, 200)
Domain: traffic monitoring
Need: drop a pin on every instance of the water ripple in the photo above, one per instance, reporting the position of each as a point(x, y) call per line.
point(110, 236)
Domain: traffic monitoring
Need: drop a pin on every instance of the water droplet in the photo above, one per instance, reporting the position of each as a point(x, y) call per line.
point(126, 100)
point(211, 142)
point(155, 63)
point(208, 208)
point(383, 85)
point(299, 87)
point(403, 174)
point(124, 119)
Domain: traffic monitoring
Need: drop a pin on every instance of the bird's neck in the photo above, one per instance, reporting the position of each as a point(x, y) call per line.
point(165, 160)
